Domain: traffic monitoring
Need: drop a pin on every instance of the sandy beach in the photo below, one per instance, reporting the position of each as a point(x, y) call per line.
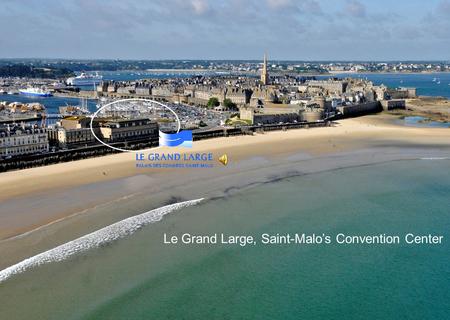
point(46, 206)
point(344, 135)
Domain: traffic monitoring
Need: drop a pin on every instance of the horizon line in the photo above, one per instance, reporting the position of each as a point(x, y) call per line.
point(224, 59)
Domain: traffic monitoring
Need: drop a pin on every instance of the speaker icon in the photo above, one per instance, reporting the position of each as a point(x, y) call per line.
point(223, 159)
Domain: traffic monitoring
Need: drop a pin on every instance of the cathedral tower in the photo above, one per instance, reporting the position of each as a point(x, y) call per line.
point(264, 73)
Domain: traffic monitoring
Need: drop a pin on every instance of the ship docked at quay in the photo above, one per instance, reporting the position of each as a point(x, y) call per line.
point(84, 79)
point(37, 92)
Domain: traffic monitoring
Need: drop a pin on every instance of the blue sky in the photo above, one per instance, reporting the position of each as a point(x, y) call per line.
point(226, 29)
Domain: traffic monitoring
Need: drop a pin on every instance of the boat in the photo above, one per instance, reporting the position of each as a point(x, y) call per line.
point(2, 92)
point(32, 91)
point(58, 85)
point(84, 79)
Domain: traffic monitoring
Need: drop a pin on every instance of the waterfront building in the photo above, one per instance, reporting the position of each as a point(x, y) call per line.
point(412, 92)
point(311, 114)
point(238, 96)
point(126, 90)
point(163, 91)
point(263, 96)
point(320, 101)
point(128, 129)
point(202, 94)
point(74, 131)
point(143, 90)
point(22, 140)
point(393, 104)
point(255, 117)
point(73, 138)
point(112, 87)
point(380, 92)
point(401, 93)
point(205, 93)
point(75, 122)
point(189, 91)
point(327, 86)
point(103, 86)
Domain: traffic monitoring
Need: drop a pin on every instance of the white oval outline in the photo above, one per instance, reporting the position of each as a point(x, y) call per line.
point(123, 100)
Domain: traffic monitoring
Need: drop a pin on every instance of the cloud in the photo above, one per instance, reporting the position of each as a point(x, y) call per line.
point(355, 8)
point(275, 4)
point(199, 6)
point(435, 24)
point(295, 7)
point(444, 6)
point(313, 7)
point(239, 29)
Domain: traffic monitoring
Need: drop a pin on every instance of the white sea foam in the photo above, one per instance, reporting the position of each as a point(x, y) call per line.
point(434, 158)
point(95, 239)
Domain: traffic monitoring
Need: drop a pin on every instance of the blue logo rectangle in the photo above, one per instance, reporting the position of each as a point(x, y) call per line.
point(180, 139)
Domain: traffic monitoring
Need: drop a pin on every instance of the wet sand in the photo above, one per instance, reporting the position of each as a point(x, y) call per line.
point(433, 108)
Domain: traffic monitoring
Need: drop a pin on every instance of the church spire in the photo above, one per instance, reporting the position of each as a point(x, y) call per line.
point(264, 73)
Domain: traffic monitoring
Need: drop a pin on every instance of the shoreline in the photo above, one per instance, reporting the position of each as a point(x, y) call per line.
point(67, 228)
point(33, 220)
point(20, 182)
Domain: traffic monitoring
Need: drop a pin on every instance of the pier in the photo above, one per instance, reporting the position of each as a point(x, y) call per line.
point(18, 119)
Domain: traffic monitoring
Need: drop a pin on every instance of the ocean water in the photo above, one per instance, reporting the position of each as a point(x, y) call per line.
point(51, 104)
point(422, 81)
point(139, 277)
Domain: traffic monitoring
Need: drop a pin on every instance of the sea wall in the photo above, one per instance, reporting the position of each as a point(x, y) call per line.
point(359, 109)
point(275, 118)
point(393, 104)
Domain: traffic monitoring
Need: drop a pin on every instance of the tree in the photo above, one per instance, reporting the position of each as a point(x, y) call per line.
point(213, 102)
point(228, 104)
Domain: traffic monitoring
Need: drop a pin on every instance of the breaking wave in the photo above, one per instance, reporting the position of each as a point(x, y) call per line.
point(95, 239)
